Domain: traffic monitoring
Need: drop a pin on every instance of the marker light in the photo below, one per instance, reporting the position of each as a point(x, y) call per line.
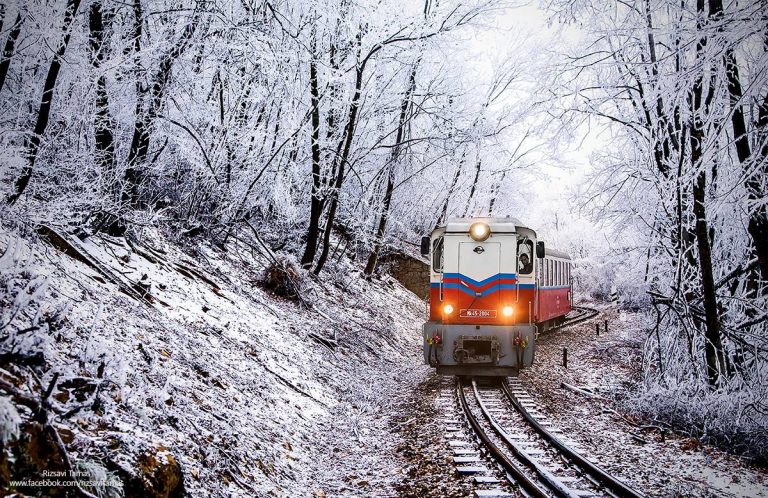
point(507, 310)
point(479, 231)
point(448, 309)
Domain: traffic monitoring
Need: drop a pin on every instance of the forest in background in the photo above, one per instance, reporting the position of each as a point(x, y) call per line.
point(338, 128)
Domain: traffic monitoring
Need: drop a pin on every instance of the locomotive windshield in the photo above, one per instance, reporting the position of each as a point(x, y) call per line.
point(437, 255)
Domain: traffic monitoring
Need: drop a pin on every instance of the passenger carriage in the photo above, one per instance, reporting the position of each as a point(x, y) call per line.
point(493, 288)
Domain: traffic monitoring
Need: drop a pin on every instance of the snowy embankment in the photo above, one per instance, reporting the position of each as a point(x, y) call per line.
point(176, 371)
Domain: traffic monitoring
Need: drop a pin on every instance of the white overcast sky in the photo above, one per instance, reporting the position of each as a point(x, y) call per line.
point(524, 31)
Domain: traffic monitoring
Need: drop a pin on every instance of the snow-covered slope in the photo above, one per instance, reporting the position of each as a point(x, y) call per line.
point(247, 392)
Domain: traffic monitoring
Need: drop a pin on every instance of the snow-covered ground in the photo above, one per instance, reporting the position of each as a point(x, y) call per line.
point(221, 373)
point(607, 365)
point(250, 394)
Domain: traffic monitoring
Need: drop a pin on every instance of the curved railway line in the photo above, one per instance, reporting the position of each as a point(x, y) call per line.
point(518, 437)
point(578, 315)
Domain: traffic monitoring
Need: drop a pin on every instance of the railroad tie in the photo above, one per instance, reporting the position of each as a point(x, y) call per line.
point(485, 480)
point(488, 493)
point(469, 470)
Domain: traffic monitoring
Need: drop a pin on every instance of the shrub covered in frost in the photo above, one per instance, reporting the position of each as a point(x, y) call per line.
point(100, 481)
point(729, 418)
point(9, 421)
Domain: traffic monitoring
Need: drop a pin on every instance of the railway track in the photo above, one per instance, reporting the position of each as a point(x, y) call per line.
point(578, 315)
point(532, 454)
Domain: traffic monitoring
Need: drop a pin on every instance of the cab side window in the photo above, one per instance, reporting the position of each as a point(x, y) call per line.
point(438, 257)
point(525, 257)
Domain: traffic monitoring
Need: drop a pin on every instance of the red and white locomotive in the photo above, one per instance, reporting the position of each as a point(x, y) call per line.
point(493, 287)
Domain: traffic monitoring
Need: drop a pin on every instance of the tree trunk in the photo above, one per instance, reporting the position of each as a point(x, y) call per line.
point(451, 189)
point(103, 122)
point(713, 345)
point(472, 189)
point(758, 221)
point(131, 176)
point(44, 112)
point(316, 202)
point(152, 103)
point(10, 47)
point(370, 267)
point(758, 217)
point(495, 192)
point(349, 135)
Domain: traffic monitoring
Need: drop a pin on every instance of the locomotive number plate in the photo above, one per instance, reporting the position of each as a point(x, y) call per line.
point(477, 313)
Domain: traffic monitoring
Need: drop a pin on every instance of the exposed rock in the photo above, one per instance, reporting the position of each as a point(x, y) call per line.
point(411, 272)
point(152, 473)
point(31, 455)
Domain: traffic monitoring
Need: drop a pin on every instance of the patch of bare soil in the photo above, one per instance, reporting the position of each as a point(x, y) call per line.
point(656, 463)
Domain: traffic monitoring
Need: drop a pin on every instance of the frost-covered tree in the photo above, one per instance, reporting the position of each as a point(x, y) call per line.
point(681, 86)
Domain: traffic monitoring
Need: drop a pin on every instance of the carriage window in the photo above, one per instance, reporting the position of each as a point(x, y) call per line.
point(549, 272)
point(554, 273)
point(437, 255)
point(525, 257)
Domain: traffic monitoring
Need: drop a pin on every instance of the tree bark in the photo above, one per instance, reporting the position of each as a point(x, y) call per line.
point(713, 344)
point(472, 189)
point(451, 189)
point(131, 176)
point(378, 240)
point(349, 135)
point(44, 112)
point(103, 122)
point(9, 49)
point(316, 202)
point(151, 103)
point(495, 192)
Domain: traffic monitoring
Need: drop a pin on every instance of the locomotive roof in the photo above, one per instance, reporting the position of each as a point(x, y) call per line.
point(498, 225)
point(556, 254)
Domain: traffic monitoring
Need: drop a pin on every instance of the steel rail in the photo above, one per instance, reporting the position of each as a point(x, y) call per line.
point(588, 313)
point(551, 481)
point(511, 468)
point(613, 484)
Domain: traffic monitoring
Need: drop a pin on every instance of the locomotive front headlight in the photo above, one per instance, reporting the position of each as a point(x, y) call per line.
point(479, 231)
point(507, 310)
point(448, 309)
